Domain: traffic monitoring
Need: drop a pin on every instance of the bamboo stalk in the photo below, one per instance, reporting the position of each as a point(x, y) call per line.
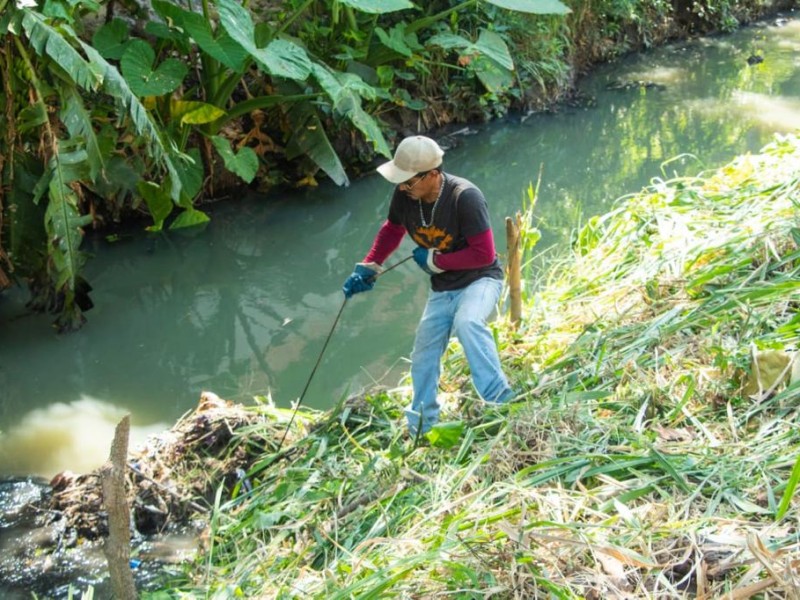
point(514, 269)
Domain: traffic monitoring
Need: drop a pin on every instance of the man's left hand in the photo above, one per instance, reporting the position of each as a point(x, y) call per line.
point(424, 258)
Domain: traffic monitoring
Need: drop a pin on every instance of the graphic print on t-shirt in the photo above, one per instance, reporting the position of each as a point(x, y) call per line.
point(432, 237)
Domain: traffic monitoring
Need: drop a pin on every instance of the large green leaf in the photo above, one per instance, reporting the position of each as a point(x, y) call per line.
point(222, 47)
point(111, 39)
point(78, 122)
point(309, 139)
point(492, 45)
point(64, 226)
point(244, 163)
point(489, 44)
point(137, 68)
point(190, 217)
point(537, 7)
point(158, 203)
point(191, 172)
point(488, 57)
point(24, 236)
point(281, 58)
point(345, 91)
point(378, 7)
point(46, 40)
point(494, 77)
point(287, 59)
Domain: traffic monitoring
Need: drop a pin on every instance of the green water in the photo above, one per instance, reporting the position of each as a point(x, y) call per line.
point(243, 308)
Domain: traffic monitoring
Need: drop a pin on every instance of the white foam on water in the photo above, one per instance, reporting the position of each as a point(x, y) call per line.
point(74, 436)
point(660, 74)
point(776, 114)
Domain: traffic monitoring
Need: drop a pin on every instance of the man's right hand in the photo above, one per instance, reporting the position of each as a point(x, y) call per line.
point(362, 279)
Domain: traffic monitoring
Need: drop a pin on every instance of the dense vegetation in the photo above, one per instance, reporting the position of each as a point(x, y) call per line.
point(114, 110)
point(652, 454)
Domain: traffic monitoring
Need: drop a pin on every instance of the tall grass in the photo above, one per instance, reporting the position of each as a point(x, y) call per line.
point(633, 464)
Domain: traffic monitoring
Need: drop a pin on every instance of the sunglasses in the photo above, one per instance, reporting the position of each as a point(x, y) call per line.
point(408, 186)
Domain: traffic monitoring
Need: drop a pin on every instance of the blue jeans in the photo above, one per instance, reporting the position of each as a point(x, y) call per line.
point(462, 313)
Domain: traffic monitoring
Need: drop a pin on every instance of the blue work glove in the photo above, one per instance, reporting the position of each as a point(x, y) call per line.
point(362, 279)
point(424, 258)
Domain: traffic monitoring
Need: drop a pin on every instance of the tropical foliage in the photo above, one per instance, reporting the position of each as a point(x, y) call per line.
point(115, 109)
point(151, 111)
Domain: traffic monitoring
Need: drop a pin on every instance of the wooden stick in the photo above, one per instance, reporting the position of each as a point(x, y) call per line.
point(514, 269)
point(118, 545)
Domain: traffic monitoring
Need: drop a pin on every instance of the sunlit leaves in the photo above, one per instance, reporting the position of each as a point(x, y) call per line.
point(221, 47)
point(217, 44)
point(446, 435)
point(190, 112)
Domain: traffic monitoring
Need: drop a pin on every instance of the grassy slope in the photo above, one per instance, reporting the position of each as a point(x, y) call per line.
point(634, 464)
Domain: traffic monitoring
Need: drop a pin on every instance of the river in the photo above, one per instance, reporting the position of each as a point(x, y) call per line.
point(243, 307)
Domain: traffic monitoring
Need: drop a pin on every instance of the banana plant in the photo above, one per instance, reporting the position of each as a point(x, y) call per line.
point(46, 70)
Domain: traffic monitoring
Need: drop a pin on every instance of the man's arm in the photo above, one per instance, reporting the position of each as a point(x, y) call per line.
point(386, 241)
point(480, 252)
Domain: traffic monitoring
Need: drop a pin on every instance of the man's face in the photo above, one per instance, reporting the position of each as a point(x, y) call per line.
point(418, 186)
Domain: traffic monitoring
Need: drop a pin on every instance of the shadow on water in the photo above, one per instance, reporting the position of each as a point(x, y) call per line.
point(243, 307)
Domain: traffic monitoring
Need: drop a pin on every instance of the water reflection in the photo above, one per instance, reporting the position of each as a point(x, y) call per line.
point(243, 308)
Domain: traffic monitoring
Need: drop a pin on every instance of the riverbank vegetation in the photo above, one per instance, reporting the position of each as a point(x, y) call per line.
point(652, 451)
point(117, 111)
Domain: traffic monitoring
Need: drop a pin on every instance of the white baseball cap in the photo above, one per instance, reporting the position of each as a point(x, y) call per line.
point(415, 154)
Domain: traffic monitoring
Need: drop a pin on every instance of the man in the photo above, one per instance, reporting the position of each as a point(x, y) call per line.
point(448, 218)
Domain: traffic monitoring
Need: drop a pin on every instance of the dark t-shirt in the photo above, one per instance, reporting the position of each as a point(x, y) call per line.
point(460, 212)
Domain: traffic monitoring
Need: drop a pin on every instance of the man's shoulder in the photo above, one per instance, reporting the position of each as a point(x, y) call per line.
point(461, 182)
point(461, 185)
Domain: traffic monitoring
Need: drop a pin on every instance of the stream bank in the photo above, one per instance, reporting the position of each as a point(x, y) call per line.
point(53, 533)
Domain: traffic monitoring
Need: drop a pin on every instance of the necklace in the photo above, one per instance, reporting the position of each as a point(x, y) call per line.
point(433, 210)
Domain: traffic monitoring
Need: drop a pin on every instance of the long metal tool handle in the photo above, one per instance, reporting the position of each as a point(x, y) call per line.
point(394, 266)
point(322, 353)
